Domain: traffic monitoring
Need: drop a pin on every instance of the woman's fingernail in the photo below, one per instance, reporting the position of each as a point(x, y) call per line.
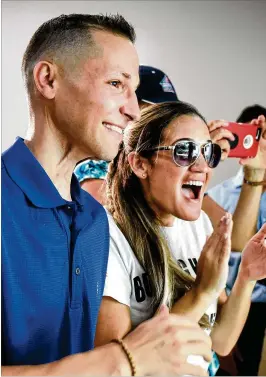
point(225, 236)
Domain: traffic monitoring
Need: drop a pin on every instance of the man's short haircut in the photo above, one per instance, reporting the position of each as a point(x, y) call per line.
point(68, 39)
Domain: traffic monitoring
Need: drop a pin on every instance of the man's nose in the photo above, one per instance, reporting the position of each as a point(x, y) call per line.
point(131, 108)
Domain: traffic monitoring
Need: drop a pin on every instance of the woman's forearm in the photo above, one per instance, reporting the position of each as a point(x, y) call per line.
point(193, 304)
point(232, 317)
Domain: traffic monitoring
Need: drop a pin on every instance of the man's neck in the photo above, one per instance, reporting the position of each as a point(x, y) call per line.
point(57, 158)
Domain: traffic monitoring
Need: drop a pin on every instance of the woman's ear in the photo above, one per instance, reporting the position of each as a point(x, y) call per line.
point(139, 165)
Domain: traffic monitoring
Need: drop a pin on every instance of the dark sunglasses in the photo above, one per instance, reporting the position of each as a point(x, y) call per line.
point(187, 151)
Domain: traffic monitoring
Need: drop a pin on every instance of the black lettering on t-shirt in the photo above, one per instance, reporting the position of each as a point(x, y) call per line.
point(183, 265)
point(139, 290)
point(193, 263)
point(212, 318)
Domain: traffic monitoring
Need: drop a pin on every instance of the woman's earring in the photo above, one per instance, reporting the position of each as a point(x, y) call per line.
point(144, 175)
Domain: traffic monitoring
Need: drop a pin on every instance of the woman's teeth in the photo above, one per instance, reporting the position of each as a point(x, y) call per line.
point(193, 183)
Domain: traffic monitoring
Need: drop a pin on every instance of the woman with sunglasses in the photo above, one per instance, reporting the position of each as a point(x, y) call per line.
point(158, 232)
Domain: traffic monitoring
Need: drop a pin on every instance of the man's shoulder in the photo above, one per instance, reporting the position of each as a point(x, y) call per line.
point(2, 164)
point(89, 200)
point(6, 180)
point(92, 205)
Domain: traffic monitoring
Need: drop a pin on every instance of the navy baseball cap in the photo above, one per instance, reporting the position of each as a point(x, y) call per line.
point(155, 86)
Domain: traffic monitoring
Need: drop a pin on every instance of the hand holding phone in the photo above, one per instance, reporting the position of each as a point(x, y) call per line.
point(246, 142)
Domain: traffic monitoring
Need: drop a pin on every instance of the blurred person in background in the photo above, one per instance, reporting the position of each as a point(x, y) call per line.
point(244, 196)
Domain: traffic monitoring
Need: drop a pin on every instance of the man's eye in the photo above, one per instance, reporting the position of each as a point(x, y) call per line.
point(115, 83)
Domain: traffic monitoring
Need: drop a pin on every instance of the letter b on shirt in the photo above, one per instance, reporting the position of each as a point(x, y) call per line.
point(142, 287)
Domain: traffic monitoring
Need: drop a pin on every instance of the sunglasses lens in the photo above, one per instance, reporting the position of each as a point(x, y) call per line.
point(186, 152)
point(212, 154)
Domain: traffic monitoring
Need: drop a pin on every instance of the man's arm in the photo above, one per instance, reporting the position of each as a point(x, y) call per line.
point(158, 346)
point(87, 363)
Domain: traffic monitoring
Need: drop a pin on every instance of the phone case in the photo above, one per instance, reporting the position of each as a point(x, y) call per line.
point(246, 141)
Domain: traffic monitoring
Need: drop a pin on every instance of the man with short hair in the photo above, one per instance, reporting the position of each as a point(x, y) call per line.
point(154, 87)
point(81, 73)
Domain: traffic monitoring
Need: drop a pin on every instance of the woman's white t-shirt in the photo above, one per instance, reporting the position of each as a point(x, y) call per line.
point(127, 282)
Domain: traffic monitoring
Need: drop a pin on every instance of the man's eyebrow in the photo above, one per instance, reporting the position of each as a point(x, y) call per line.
point(128, 76)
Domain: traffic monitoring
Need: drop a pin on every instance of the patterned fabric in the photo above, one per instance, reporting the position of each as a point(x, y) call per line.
point(91, 169)
point(214, 365)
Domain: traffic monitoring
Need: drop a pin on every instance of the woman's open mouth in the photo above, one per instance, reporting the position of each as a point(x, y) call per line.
point(192, 189)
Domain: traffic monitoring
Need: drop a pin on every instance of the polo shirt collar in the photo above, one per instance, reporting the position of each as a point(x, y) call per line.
point(25, 170)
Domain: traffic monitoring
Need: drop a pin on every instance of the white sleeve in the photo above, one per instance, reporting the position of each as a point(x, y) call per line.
point(118, 282)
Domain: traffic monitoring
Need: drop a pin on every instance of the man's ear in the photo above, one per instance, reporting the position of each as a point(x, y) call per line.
point(44, 75)
point(139, 165)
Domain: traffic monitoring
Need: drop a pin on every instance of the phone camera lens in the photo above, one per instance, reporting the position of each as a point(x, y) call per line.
point(248, 141)
point(233, 143)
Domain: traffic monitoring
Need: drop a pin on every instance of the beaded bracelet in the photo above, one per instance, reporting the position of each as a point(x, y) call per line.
point(128, 354)
point(260, 183)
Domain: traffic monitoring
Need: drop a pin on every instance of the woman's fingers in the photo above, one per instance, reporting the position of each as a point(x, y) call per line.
point(219, 235)
point(225, 249)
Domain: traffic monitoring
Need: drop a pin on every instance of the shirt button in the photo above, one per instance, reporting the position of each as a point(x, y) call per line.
point(77, 271)
point(68, 207)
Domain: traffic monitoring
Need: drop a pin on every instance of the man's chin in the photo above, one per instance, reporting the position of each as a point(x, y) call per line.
point(110, 152)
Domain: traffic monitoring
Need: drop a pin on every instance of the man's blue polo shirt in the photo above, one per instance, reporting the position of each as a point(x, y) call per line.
point(54, 259)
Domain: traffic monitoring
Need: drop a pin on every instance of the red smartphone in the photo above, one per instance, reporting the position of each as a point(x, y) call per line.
point(246, 141)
